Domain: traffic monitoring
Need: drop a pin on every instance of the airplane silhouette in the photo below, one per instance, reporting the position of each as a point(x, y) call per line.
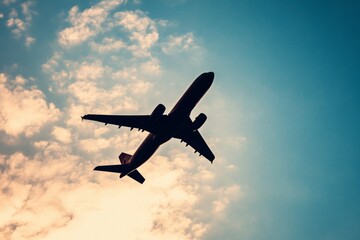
point(161, 128)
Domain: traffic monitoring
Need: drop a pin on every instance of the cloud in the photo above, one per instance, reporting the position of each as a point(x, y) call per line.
point(89, 71)
point(162, 209)
point(140, 87)
point(23, 111)
point(8, 2)
point(151, 67)
point(176, 44)
point(29, 194)
point(142, 29)
point(129, 73)
point(18, 26)
point(98, 23)
point(29, 41)
point(19, 23)
point(62, 134)
point(87, 23)
point(107, 45)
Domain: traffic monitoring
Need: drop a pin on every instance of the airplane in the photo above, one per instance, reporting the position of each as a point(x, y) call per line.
point(161, 128)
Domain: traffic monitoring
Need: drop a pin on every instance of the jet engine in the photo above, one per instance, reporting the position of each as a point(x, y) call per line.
point(158, 112)
point(199, 121)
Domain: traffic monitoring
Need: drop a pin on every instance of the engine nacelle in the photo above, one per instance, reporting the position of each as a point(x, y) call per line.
point(199, 121)
point(158, 112)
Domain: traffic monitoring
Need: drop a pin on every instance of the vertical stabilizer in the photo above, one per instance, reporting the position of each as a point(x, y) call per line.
point(125, 158)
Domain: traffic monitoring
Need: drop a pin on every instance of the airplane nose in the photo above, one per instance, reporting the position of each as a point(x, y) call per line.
point(205, 79)
point(211, 75)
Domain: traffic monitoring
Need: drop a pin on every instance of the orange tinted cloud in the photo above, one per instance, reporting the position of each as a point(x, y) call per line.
point(23, 110)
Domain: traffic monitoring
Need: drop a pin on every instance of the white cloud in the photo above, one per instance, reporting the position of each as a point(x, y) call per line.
point(20, 23)
point(125, 74)
point(94, 145)
point(87, 23)
point(27, 11)
point(181, 43)
point(23, 111)
point(64, 72)
point(89, 71)
point(99, 99)
point(62, 134)
point(140, 87)
point(142, 31)
point(17, 25)
point(53, 62)
point(151, 67)
point(29, 41)
point(8, 2)
point(19, 80)
point(108, 45)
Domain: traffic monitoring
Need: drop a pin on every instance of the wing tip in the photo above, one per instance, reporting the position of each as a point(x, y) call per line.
point(84, 117)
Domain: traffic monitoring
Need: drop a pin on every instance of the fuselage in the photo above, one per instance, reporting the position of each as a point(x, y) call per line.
point(172, 122)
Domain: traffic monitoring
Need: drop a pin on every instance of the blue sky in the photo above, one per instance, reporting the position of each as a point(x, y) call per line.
point(283, 118)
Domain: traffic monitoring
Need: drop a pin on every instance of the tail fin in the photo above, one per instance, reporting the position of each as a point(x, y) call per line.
point(125, 158)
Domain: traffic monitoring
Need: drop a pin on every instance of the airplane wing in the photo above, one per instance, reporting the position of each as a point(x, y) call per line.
point(196, 141)
point(142, 122)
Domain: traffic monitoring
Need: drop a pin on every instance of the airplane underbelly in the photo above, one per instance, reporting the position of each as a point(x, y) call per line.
point(169, 126)
point(145, 151)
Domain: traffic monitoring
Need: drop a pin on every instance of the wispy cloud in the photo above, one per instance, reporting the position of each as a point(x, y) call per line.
point(19, 21)
point(8, 2)
point(181, 43)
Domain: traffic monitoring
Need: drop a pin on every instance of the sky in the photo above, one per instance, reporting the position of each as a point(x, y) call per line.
point(283, 119)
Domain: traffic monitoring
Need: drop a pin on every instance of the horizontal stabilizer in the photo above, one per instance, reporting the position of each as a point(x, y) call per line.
point(137, 176)
point(122, 169)
point(112, 168)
